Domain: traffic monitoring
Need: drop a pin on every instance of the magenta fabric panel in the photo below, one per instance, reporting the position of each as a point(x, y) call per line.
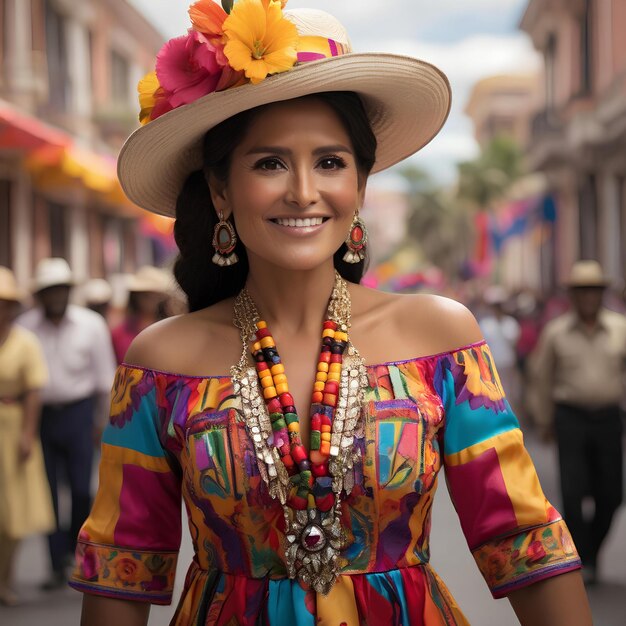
point(145, 520)
point(481, 499)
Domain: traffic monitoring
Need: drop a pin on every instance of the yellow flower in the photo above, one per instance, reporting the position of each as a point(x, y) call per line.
point(260, 41)
point(147, 89)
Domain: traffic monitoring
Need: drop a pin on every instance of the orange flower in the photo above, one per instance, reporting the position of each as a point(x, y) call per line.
point(127, 570)
point(260, 40)
point(207, 17)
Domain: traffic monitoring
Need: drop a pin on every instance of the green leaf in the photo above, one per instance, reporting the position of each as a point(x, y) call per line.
point(228, 5)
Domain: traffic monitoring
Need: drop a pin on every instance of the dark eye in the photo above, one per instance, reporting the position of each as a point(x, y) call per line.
point(332, 163)
point(269, 165)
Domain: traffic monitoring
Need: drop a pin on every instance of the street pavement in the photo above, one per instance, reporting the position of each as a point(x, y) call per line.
point(450, 557)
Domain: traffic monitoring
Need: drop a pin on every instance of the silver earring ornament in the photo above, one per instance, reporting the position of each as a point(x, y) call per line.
point(224, 242)
point(357, 238)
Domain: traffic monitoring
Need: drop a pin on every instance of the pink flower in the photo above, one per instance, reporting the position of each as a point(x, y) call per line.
point(188, 68)
point(91, 563)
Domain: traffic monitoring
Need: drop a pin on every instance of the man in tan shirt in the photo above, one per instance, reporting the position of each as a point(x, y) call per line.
point(578, 368)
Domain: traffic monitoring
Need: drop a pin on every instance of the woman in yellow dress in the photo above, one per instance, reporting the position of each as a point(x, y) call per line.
point(25, 504)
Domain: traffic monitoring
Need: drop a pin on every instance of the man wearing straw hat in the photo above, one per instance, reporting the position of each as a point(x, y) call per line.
point(79, 354)
point(580, 363)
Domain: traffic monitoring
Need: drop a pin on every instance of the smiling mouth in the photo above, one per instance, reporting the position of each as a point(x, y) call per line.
point(297, 222)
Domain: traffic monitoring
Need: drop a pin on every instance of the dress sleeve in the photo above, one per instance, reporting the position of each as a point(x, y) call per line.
point(516, 536)
point(35, 372)
point(129, 544)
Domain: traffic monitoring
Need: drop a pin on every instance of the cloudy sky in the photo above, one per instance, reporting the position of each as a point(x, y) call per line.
point(468, 39)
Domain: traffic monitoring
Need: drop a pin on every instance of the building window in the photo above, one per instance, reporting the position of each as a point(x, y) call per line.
point(6, 252)
point(57, 219)
point(3, 39)
point(550, 61)
point(56, 54)
point(588, 218)
point(120, 79)
point(586, 49)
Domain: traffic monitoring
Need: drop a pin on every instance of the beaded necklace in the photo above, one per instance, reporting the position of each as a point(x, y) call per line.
point(309, 487)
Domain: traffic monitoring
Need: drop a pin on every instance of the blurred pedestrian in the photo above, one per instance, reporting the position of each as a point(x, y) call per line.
point(97, 295)
point(77, 347)
point(578, 367)
point(502, 331)
point(25, 504)
point(147, 291)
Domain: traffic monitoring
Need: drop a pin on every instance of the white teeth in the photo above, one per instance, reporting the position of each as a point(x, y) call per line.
point(299, 222)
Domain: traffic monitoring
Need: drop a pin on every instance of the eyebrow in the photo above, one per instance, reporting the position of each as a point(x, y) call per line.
point(287, 152)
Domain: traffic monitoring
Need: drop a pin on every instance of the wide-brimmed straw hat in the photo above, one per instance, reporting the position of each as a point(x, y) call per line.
point(587, 274)
point(8, 286)
point(150, 278)
point(407, 101)
point(52, 272)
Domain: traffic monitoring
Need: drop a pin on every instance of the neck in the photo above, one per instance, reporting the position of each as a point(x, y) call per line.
point(292, 301)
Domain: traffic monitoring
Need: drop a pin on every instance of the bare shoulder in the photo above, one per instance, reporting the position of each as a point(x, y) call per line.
point(451, 324)
point(201, 343)
point(412, 325)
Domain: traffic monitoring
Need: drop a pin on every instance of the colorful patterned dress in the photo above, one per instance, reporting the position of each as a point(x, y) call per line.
point(171, 434)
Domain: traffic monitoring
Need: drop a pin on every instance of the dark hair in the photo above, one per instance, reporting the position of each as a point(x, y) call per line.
point(206, 283)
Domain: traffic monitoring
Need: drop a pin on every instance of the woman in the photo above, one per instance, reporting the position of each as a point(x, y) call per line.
point(308, 520)
point(147, 290)
point(25, 504)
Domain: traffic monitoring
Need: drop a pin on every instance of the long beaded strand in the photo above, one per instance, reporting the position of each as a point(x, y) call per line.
point(311, 483)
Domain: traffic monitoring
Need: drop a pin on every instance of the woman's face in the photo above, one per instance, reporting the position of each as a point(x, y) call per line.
point(293, 186)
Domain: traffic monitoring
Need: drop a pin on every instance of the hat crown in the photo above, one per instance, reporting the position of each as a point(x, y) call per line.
point(316, 23)
point(149, 278)
point(587, 273)
point(52, 271)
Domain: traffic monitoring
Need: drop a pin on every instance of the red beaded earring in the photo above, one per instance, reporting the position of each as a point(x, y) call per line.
point(224, 242)
point(357, 238)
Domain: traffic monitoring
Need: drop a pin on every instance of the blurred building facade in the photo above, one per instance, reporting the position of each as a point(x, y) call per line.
point(504, 105)
point(579, 134)
point(516, 235)
point(68, 76)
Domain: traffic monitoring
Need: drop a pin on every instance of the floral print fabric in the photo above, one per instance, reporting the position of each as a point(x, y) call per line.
point(171, 434)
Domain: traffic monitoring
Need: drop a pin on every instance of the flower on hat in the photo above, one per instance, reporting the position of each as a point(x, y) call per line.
point(152, 99)
point(208, 17)
point(260, 40)
point(187, 68)
point(219, 51)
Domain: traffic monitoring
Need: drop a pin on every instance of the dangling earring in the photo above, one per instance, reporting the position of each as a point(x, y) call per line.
point(357, 238)
point(224, 242)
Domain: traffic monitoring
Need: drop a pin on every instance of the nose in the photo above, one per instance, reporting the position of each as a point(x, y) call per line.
point(302, 189)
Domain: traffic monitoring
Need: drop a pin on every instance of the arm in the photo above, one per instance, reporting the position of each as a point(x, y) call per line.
point(558, 601)
point(31, 404)
point(101, 611)
point(541, 371)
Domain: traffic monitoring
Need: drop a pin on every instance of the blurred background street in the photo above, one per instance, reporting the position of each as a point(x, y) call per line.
point(527, 178)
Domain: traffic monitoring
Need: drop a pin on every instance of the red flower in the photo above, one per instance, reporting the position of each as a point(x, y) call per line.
point(535, 552)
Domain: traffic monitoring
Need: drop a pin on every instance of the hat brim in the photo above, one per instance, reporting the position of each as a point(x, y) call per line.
point(40, 286)
point(600, 283)
point(11, 296)
point(407, 101)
